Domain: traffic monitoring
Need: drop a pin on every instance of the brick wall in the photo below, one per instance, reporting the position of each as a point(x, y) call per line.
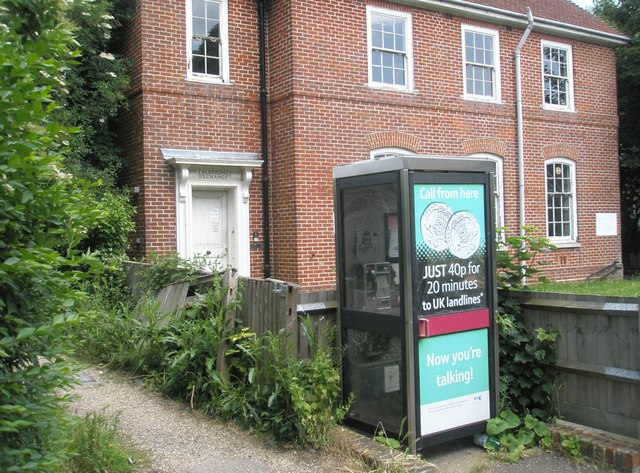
point(339, 119)
point(323, 114)
point(175, 113)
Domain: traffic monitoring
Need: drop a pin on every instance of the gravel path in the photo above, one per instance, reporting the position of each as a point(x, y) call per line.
point(181, 440)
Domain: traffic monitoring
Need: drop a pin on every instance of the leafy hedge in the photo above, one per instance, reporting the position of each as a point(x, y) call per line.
point(42, 220)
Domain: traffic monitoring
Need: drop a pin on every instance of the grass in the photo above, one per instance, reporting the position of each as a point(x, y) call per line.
point(98, 446)
point(607, 287)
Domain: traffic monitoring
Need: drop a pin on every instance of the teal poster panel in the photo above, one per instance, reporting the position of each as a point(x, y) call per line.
point(451, 248)
point(454, 380)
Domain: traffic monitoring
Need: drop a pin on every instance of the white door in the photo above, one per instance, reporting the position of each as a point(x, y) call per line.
point(210, 229)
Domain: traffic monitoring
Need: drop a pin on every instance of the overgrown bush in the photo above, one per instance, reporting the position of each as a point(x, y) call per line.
point(266, 388)
point(108, 236)
point(42, 220)
point(190, 344)
point(272, 391)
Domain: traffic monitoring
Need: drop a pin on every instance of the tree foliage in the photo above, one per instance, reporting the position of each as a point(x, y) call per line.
point(625, 15)
point(42, 220)
point(96, 84)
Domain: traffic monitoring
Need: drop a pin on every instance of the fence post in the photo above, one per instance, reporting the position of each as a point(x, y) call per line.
point(287, 311)
point(230, 282)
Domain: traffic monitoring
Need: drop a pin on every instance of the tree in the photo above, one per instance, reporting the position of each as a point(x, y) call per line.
point(625, 15)
point(96, 85)
point(42, 220)
point(95, 93)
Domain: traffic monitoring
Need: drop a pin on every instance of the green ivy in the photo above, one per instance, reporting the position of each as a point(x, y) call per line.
point(527, 376)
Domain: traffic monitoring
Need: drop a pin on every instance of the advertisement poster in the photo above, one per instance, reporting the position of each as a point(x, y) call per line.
point(450, 248)
point(450, 281)
point(454, 380)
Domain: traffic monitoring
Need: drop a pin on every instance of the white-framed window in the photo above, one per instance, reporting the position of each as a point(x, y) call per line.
point(481, 58)
point(390, 49)
point(207, 41)
point(388, 152)
point(557, 76)
point(560, 176)
point(498, 191)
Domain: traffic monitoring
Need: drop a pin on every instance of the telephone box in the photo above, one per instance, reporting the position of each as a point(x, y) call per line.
point(416, 295)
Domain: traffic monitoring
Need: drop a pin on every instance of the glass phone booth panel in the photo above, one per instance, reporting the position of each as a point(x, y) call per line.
point(371, 315)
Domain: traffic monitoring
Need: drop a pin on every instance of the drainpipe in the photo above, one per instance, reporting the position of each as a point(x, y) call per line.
point(264, 135)
point(519, 120)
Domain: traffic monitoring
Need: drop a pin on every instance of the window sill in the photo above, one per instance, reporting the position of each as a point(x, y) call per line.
point(478, 99)
point(550, 108)
point(206, 80)
point(389, 88)
point(565, 244)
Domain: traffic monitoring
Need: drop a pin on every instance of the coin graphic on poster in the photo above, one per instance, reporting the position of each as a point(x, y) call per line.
point(463, 234)
point(434, 225)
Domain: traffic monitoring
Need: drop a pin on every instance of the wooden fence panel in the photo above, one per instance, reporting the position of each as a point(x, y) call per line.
point(598, 357)
point(270, 305)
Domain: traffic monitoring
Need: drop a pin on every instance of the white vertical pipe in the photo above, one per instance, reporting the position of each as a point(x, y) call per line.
point(519, 121)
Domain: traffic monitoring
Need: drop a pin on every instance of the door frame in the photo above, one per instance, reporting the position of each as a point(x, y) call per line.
point(212, 170)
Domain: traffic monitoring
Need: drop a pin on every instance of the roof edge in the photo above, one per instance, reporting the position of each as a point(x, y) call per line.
point(506, 17)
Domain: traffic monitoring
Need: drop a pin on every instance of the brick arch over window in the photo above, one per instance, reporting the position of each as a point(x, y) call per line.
point(555, 151)
point(484, 145)
point(393, 139)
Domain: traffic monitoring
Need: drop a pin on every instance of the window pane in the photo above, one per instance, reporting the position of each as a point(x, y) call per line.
point(468, 54)
point(199, 27)
point(488, 42)
point(399, 78)
point(400, 26)
point(387, 24)
point(198, 8)
point(557, 216)
point(388, 40)
point(376, 39)
point(213, 66)
point(213, 10)
point(213, 49)
point(557, 230)
point(198, 64)
point(376, 74)
point(400, 43)
point(376, 58)
point(387, 76)
point(197, 46)
point(387, 59)
point(213, 29)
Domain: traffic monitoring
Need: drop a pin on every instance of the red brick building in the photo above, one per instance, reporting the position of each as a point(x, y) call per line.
point(347, 80)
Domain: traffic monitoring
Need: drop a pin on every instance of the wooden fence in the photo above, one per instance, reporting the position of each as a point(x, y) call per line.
point(598, 357)
point(598, 347)
point(271, 305)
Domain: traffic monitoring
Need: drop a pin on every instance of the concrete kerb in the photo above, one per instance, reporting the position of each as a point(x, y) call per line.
point(617, 452)
point(376, 455)
point(621, 454)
